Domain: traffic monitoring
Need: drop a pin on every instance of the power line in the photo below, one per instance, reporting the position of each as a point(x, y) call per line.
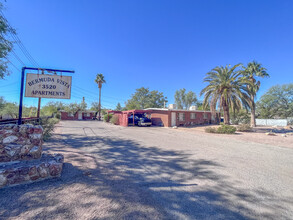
point(13, 65)
point(84, 90)
point(17, 57)
point(19, 43)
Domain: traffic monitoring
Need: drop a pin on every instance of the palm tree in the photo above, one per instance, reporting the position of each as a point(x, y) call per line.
point(100, 80)
point(252, 71)
point(226, 89)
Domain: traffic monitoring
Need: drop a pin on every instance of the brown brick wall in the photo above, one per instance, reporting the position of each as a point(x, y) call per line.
point(160, 118)
point(164, 118)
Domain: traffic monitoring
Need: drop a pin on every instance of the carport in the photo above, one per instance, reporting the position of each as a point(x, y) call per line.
point(124, 115)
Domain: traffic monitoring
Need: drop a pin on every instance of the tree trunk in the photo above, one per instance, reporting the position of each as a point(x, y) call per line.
point(252, 119)
point(226, 112)
point(99, 103)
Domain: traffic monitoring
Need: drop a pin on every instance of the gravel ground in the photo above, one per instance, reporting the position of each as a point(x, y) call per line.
point(112, 172)
point(258, 135)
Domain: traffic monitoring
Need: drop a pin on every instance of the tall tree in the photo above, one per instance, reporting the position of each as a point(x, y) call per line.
point(226, 89)
point(5, 44)
point(252, 71)
point(184, 100)
point(118, 107)
point(100, 80)
point(277, 102)
point(179, 98)
point(10, 109)
point(73, 108)
point(95, 106)
point(144, 98)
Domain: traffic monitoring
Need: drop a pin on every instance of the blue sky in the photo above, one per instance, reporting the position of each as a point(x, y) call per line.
point(163, 45)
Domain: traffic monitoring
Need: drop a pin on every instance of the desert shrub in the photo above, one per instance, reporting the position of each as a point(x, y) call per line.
point(58, 115)
point(106, 118)
point(226, 129)
point(244, 128)
point(210, 130)
point(48, 125)
point(114, 120)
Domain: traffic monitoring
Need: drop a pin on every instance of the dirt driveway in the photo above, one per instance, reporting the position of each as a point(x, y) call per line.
point(113, 172)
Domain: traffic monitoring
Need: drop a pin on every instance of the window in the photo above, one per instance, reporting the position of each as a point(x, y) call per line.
point(181, 116)
point(205, 115)
point(70, 114)
point(192, 115)
point(88, 114)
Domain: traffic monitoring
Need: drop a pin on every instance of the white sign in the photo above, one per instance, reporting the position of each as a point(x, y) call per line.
point(48, 86)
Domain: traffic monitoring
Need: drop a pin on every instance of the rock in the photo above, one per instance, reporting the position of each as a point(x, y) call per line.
point(38, 129)
point(59, 158)
point(35, 136)
point(42, 171)
point(3, 180)
point(32, 171)
point(55, 169)
point(10, 139)
point(25, 149)
point(283, 135)
point(11, 149)
point(270, 134)
point(23, 170)
point(175, 127)
point(288, 127)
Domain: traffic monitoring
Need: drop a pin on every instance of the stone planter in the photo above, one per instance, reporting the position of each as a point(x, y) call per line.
point(21, 159)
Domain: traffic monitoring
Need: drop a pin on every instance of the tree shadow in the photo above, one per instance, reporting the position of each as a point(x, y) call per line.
point(116, 178)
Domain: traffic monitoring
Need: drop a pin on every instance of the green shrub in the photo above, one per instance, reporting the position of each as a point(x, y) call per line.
point(114, 120)
point(223, 129)
point(107, 118)
point(48, 125)
point(210, 130)
point(244, 128)
point(226, 129)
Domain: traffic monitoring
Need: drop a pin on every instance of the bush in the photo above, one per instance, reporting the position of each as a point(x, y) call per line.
point(48, 125)
point(106, 118)
point(244, 128)
point(226, 129)
point(114, 120)
point(210, 130)
point(223, 129)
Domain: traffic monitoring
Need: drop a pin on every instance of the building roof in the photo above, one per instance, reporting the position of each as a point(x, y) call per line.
point(177, 110)
point(86, 111)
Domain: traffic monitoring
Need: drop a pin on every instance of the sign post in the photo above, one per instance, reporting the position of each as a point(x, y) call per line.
point(44, 86)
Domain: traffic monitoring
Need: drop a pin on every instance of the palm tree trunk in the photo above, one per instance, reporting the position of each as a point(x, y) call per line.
point(99, 103)
point(226, 115)
point(252, 119)
point(226, 112)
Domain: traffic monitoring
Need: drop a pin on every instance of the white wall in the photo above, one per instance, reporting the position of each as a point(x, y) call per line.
point(272, 122)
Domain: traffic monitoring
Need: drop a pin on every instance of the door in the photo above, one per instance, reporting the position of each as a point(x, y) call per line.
point(173, 119)
point(79, 115)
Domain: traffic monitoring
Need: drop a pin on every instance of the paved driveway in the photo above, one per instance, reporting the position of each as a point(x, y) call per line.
point(113, 172)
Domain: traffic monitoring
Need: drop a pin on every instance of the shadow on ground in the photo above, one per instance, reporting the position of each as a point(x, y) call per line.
point(112, 178)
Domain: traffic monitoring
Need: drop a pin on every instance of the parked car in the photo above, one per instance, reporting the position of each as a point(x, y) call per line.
point(140, 120)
